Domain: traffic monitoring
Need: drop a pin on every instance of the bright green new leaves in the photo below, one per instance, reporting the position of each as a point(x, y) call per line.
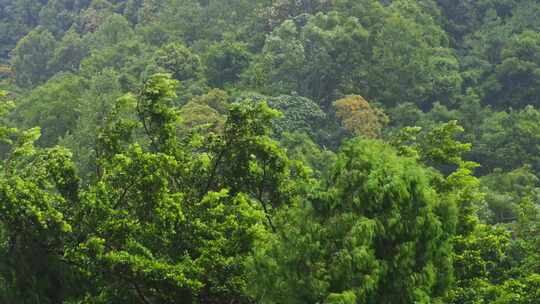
point(166, 218)
point(477, 264)
point(155, 111)
point(160, 244)
point(491, 266)
point(246, 160)
point(170, 219)
point(38, 189)
point(205, 114)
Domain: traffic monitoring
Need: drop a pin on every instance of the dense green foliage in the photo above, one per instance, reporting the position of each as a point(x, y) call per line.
point(257, 151)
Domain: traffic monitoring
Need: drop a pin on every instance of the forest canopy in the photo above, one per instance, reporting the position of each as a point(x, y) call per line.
point(258, 151)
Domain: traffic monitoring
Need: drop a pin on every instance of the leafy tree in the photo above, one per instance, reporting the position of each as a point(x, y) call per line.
point(113, 30)
point(460, 18)
point(373, 235)
point(200, 117)
point(299, 114)
point(493, 267)
point(506, 190)
point(180, 61)
point(282, 10)
point(410, 61)
point(216, 99)
point(69, 53)
point(17, 18)
point(30, 59)
point(477, 263)
point(508, 140)
point(91, 18)
point(96, 104)
point(225, 62)
point(359, 118)
point(484, 256)
point(53, 106)
point(157, 197)
point(301, 147)
point(38, 188)
point(131, 10)
point(246, 160)
point(57, 16)
point(210, 21)
point(205, 113)
point(128, 58)
point(518, 74)
point(318, 58)
point(149, 10)
point(162, 245)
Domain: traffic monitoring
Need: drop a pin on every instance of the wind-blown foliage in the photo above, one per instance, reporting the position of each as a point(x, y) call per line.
point(256, 151)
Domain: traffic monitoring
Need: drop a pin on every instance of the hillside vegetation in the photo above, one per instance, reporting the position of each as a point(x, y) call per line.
point(270, 151)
